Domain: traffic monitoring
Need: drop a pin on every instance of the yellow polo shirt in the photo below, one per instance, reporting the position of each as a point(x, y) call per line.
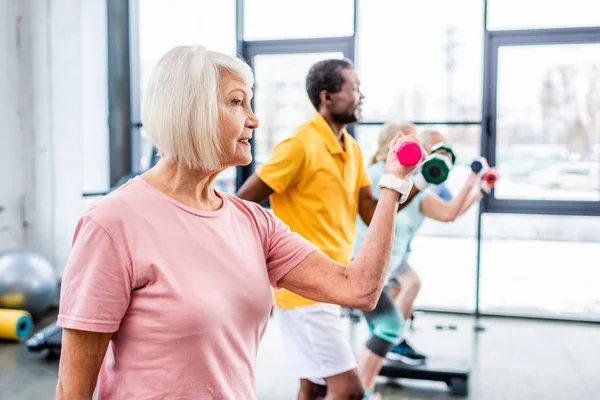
point(316, 186)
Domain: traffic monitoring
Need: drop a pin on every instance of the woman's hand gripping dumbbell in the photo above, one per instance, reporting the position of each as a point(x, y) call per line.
point(437, 167)
point(488, 174)
point(489, 180)
point(404, 157)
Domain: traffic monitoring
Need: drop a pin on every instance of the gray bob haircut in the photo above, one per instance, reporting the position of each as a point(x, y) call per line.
point(180, 112)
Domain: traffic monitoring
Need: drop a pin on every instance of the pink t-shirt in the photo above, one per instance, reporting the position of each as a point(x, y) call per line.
point(186, 292)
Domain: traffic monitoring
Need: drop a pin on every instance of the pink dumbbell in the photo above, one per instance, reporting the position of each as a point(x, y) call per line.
point(409, 154)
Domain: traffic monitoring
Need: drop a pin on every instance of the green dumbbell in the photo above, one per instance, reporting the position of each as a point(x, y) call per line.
point(436, 168)
point(443, 148)
point(441, 161)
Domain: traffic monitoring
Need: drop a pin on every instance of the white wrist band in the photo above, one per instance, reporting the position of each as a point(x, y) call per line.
point(399, 185)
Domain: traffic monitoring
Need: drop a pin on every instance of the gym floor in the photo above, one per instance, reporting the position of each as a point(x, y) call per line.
point(511, 359)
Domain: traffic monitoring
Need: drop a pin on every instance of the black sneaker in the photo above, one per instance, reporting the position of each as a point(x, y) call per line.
point(404, 353)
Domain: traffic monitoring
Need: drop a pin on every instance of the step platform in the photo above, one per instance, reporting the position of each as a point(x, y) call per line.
point(48, 338)
point(453, 371)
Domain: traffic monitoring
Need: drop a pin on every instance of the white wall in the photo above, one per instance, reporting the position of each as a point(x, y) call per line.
point(55, 143)
point(11, 189)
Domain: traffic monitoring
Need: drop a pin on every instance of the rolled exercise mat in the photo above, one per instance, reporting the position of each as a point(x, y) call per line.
point(15, 324)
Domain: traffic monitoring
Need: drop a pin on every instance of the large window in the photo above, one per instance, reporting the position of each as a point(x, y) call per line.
point(548, 122)
point(274, 19)
point(534, 265)
point(421, 60)
point(540, 265)
point(536, 14)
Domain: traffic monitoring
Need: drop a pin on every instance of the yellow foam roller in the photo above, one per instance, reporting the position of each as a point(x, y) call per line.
point(15, 324)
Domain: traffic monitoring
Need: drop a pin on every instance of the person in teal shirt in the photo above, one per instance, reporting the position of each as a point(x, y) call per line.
point(408, 220)
point(386, 321)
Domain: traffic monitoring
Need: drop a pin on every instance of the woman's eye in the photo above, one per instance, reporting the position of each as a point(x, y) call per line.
point(237, 102)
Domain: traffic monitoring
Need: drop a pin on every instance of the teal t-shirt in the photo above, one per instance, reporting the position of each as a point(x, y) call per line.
point(408, 221)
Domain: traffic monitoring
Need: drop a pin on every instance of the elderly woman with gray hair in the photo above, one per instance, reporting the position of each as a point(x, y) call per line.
point(167, 290)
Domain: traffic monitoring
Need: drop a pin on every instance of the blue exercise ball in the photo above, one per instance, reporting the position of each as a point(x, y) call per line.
point(27, 282)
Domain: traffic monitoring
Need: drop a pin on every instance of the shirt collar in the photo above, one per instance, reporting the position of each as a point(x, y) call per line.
point(333, 145)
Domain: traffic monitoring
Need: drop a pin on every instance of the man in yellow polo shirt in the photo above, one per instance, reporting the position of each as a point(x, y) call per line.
point(317, 185)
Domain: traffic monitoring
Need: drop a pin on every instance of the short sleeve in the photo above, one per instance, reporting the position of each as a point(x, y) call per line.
point(418, 199)
point(444, 193)
point(286, 249)
point(283, 167)
point(97, 281)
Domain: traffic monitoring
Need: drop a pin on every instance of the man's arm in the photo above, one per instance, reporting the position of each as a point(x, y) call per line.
point(279, 172)
point(254, 189)
point(367, 202)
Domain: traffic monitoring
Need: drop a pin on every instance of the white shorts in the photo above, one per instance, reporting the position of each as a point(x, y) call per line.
point(316, 345)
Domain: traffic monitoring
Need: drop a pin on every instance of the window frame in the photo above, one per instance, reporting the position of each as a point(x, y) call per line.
point(135, 85)
point(533, 28)
point(493, 42)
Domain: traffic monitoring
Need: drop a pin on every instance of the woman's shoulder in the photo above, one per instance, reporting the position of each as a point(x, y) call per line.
point(253, 212)
point(244, 206)
point(115, 207)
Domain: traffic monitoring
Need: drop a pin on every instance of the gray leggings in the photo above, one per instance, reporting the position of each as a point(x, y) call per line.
point(385, 324)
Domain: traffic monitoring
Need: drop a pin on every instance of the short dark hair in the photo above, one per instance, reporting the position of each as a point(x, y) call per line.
point(325, 75)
